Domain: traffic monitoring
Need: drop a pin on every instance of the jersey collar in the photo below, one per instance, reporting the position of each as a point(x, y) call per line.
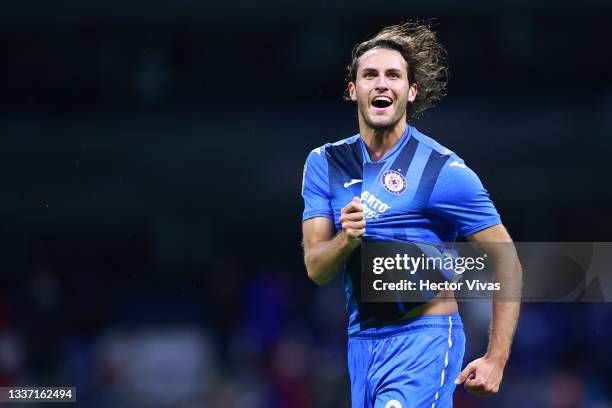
point(398, 146)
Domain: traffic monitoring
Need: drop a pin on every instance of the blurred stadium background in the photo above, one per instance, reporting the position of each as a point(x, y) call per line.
point(151, 167)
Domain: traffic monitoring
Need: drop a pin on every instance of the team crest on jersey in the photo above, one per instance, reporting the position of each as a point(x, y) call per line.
point(394, 182)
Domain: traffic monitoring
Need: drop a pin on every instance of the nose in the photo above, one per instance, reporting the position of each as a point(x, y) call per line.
point(381, 83)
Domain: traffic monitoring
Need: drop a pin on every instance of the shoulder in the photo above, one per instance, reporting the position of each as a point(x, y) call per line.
point(443, 159)
point(453, 172)
point(319, 154)
point(327, 147)
point(432, 144)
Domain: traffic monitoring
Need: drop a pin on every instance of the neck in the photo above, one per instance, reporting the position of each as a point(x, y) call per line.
point(380, 141)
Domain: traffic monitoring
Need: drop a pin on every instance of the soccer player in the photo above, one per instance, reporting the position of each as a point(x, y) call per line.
point(392, 182)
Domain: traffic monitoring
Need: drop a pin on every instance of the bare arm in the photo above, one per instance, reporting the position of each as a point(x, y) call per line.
point(483, 376)
point(324, 253)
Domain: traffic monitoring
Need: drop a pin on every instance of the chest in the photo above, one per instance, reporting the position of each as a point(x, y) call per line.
point(388, 192)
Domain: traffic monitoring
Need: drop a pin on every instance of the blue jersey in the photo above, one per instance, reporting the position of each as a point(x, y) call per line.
point(418, 192)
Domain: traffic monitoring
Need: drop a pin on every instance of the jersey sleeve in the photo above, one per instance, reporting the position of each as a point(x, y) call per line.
point(461, 199)
point(315, 187)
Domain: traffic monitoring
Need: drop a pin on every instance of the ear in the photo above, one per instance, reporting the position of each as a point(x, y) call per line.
point(413, 90)
point(352, 92)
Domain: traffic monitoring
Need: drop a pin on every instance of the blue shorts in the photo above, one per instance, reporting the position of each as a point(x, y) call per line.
point(412, 364)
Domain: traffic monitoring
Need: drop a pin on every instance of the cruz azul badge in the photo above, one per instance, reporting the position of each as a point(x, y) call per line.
point(394, 182)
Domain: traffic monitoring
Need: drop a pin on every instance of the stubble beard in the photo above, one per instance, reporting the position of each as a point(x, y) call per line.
point(380, 126)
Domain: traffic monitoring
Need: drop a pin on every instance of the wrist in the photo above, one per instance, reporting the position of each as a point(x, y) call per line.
point(349, 241)
point(497, 356)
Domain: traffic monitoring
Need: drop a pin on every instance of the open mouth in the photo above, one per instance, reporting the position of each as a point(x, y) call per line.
point(382, 102)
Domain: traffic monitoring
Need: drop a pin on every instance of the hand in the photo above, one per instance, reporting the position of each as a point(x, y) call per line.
point(353, 222)
point(482, 376)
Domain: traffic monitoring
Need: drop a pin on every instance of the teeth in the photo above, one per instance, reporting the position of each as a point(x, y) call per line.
point(383, 98)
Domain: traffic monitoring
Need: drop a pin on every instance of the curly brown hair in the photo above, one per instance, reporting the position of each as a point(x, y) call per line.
point(425, 57)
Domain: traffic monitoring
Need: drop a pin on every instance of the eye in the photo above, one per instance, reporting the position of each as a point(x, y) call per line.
point(369, 74)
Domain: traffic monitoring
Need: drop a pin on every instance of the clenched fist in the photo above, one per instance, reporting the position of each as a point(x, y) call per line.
point(353, 221)
point(482, 376)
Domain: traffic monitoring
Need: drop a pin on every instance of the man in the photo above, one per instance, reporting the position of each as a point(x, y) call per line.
point(391, 182)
